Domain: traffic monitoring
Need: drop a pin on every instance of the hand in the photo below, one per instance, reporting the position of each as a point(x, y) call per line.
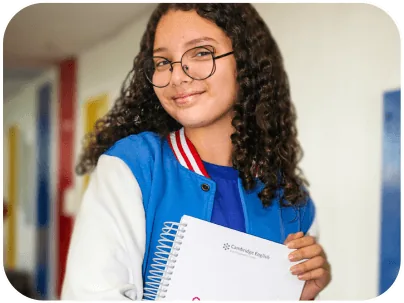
point(315, 271)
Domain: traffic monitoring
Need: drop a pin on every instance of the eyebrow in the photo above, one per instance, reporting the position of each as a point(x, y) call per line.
point(189, 43)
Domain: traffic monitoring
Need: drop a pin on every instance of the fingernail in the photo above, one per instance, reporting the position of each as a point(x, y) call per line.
point(300, 277)
point(290, 245)
point(291, 257)
point(295, 270)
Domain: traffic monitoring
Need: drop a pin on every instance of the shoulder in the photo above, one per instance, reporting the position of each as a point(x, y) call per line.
point(112, 176)
point(139, 153)
point(141, 146)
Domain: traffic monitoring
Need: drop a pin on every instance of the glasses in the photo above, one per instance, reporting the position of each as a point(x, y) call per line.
point(198, 63)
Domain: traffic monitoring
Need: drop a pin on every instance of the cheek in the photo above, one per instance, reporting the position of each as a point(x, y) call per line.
point(224, 85)
point(160, 94)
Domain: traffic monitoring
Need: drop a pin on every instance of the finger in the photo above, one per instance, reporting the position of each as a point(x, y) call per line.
point(307, 252)
point(309, 265)
point(289, 238)
point(301, 242)
point(313, 274)
point(292, 237)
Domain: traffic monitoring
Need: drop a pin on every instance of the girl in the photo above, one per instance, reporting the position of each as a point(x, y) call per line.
point(206, 128)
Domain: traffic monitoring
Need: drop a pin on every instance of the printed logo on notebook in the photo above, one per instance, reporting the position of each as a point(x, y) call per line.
point(244, 251)
point(196, 299)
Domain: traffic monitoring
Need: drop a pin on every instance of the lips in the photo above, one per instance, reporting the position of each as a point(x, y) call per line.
point(186, 96)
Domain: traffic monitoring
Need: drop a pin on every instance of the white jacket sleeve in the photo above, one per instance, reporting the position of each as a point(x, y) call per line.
point(108, 242)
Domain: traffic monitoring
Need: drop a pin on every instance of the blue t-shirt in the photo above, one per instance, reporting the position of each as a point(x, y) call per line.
point(227, 208)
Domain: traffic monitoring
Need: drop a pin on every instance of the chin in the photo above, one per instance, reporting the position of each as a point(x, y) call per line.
point(193, 122)
point(192, 117)
point(199, 116)
point(199, 121)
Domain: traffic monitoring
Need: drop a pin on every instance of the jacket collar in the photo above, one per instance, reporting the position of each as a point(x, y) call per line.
point(185, 152)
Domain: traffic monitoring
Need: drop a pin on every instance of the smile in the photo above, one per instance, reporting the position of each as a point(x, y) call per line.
point(186, 98)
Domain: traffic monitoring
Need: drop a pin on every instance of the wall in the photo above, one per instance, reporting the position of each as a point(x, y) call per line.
point(21, 110)
point(340, 59)
point(103, 68)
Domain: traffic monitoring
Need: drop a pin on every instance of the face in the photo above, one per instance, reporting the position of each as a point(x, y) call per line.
point(195, 103)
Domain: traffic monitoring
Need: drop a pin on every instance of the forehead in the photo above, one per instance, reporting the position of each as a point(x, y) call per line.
point(178, 27)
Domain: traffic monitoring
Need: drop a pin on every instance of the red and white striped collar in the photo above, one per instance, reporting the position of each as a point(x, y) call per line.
point(186, 153)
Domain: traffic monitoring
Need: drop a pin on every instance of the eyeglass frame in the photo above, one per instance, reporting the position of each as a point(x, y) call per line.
point(214, 58)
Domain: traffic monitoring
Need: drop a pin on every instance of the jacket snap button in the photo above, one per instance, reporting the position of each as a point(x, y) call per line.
point(205, 187)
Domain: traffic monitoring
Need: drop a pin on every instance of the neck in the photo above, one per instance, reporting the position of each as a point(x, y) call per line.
point(213, 142)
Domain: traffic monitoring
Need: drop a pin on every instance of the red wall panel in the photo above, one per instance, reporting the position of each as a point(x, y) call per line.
point(67, 122)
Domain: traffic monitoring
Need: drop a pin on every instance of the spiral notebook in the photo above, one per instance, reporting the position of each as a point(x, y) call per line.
point(198, 260)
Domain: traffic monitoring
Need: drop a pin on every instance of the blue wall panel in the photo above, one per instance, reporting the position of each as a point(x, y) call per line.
point(43, 188)
point(390, 216)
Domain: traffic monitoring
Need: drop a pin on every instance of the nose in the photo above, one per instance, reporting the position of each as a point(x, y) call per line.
point(178, 76)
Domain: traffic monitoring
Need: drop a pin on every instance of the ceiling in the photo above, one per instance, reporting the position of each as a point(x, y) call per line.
point(42, 34)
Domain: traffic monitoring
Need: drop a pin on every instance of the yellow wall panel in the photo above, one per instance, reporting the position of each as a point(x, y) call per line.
point(11, 249)
point(94, 108)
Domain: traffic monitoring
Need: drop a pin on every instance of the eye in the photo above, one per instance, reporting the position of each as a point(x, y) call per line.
point(202, 54)
point(161, 63)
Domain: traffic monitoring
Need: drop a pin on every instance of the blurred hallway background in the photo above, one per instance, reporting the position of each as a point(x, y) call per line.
point(63, 68)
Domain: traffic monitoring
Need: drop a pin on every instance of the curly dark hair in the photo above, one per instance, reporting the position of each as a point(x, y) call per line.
point(265, 141)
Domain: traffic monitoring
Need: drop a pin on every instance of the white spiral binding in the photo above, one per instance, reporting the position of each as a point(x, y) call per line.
point(164, 262)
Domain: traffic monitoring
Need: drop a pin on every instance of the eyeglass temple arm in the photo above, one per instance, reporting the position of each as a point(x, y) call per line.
point(224, 55)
